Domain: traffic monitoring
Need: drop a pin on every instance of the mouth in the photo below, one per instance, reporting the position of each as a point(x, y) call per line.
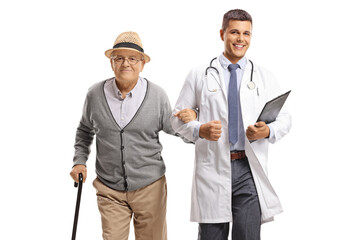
point(239, 46)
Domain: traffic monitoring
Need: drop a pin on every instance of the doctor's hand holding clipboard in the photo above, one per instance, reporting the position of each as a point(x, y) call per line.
point(257, 131)
point(268, 115)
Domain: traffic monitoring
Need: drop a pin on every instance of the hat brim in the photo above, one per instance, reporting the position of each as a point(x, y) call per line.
point(109, 51)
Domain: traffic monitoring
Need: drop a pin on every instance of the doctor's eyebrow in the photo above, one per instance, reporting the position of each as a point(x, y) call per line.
point(238, 31)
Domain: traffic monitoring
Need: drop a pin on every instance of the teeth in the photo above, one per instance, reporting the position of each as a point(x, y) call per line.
point(239, 46)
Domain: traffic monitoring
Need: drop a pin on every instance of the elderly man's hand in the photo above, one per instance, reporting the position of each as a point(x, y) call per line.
point(76, 170)
point(258, 131)
point(186, 115)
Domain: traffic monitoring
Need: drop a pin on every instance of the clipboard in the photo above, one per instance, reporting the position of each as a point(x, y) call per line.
point(272, 108)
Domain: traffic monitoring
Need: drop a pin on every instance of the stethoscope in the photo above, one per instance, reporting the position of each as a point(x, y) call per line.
point(251, 85)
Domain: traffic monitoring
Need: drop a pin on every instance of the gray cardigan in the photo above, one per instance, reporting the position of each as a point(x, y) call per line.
point(127, 158)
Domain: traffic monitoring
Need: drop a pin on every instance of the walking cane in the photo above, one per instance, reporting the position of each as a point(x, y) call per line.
point(77, 205)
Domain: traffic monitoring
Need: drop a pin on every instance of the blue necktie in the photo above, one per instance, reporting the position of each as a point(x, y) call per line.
point(233, 105)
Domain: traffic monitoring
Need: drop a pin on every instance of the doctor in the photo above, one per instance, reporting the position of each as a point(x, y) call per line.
point(230, 181)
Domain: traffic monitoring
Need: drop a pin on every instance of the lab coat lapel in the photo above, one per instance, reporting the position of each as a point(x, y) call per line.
point(221, 78)
point(247, 75)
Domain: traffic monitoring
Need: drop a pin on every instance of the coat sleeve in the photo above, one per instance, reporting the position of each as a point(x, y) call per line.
point(188, 98)
point(165, 118)
point(281, 126)
point(84, 137)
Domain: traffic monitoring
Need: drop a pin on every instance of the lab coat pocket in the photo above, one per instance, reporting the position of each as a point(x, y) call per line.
point(213, 96)
point(212, 152)
point(212, 84)
point(202, 146)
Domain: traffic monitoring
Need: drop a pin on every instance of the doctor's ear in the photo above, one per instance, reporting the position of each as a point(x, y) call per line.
point(222, 34)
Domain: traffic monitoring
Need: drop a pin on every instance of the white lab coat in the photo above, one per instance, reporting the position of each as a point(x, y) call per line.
point(211, 189)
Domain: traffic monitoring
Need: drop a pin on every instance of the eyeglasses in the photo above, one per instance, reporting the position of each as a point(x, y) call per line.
point(130, 60)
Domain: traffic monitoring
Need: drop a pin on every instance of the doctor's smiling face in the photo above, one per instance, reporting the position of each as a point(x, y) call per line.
point(236, 37)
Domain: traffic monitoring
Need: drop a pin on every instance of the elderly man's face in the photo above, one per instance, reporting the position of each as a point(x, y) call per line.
point(124, 70)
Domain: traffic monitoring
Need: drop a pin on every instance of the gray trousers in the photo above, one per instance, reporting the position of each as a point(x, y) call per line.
point(245, 208)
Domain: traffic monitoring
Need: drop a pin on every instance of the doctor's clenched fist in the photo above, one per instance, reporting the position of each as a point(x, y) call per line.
point(211, 130)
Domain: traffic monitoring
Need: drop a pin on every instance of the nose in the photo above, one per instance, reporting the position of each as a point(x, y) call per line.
point(125, 63)
point(240, 38)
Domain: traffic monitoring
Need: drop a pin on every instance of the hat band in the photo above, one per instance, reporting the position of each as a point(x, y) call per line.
point(129, 45)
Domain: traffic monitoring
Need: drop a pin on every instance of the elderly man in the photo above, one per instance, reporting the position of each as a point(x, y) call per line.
point(230, 181)
point(126, 113)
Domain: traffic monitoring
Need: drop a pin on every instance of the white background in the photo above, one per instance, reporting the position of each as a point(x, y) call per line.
point(52, 51)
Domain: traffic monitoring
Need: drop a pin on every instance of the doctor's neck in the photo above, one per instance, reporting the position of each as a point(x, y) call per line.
point(233, 59)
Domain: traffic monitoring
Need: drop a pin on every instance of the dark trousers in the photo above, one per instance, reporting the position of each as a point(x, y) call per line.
point(245, 208)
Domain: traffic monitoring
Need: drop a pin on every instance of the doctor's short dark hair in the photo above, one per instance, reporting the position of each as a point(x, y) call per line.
point(236, 14)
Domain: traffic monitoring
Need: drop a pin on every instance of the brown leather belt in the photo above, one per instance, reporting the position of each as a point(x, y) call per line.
point(237, 155)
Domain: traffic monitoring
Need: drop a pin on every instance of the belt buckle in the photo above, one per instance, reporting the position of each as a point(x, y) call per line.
point(239, 155)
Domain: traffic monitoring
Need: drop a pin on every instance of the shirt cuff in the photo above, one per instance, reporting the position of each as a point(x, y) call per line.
point(272, 134)
point(196, 132)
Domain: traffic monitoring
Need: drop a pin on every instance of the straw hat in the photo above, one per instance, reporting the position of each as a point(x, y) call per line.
point(130, 41)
